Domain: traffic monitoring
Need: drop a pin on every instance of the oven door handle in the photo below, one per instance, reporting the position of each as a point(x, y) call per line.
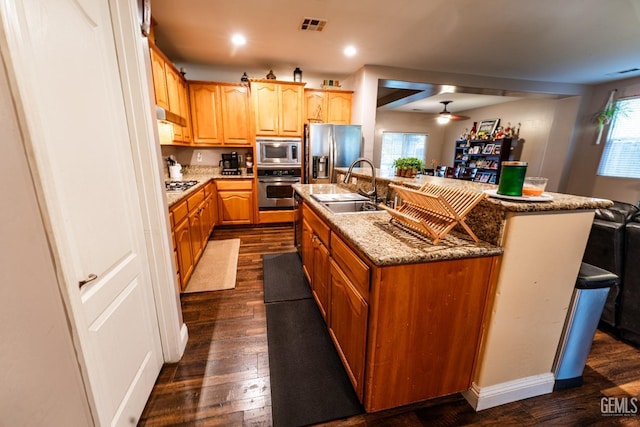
point(274, 181)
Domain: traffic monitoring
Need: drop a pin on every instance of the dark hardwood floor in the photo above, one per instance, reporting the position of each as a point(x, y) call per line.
point(223, 377)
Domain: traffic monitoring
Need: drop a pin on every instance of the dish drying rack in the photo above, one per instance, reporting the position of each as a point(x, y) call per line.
point(434, 210)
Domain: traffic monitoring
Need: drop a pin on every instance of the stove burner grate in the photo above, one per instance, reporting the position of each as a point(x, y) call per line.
point(178, 186)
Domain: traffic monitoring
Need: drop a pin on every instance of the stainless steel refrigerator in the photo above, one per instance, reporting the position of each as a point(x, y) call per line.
point(328, 146)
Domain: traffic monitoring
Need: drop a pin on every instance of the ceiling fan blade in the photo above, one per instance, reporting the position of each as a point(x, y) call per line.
point(457, 117)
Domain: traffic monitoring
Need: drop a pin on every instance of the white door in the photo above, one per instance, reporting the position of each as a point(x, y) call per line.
point(62, 57)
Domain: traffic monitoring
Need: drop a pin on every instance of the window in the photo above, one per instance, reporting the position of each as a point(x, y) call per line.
point(621, 156)
point(397, 144)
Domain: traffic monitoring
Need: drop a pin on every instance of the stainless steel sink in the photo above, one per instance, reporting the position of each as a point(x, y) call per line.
point(352, 206)
point(339, 197)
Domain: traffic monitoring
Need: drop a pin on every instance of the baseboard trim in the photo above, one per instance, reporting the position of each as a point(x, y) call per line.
point(184, 337)
point(495, 395)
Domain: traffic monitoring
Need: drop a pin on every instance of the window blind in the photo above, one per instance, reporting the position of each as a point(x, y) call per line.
point(621, 156)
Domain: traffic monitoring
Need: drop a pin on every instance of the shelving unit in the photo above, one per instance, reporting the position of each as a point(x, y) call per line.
point(485, 156)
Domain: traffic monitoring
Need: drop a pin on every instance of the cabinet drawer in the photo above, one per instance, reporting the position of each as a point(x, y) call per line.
point(194, 201)
point(180, 212)
point(171, 221)
point(317, 225)
point(351, 264)
point(234, 184)
point(208, 189)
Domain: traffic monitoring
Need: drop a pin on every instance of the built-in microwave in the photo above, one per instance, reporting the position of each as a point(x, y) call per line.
point(279, 152)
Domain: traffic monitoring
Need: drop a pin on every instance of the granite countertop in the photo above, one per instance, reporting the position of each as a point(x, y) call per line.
point(560, 201)
point(203, 175)
point(384, 243)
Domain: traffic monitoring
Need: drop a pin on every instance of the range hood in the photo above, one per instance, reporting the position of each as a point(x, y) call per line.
point(168, 116)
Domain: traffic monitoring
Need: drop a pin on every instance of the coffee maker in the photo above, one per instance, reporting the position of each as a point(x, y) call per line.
point(229, 164)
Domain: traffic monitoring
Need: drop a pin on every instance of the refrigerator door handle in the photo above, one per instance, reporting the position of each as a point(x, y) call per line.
point(332, 156)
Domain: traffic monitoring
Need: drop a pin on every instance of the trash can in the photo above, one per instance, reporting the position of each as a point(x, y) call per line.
point(587, 303)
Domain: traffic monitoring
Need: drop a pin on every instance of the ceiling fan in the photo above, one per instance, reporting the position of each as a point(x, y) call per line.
point(445, 116)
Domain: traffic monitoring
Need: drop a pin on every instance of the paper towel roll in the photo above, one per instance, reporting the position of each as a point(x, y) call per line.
point(175, 172)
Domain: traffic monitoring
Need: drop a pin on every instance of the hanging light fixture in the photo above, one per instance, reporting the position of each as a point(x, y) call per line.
point(445, 116)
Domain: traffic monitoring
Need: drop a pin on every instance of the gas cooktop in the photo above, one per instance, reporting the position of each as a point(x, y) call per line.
point(178, 186)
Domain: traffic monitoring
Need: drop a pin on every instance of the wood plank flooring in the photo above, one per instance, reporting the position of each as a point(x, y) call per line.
point(223, 377)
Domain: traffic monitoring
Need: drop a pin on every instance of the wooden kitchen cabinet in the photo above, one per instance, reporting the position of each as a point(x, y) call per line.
point(235, 201)
point(192, 222)
point(237, 126)
point(348, 326)
point(185, 109)
point(278, 108)
point(315, 258)
point(159, 77)
point(182, 235)
point(206, 121)
point(404, 333)
point(170, 92)
point(328, 106)
point(220, 114)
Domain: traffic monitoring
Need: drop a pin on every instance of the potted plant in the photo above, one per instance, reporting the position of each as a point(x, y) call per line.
point(408, 166)
point(401, 166)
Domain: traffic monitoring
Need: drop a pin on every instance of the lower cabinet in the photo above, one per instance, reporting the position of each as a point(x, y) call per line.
point(192, 225)
point(405, 333)
point(348, 326)
point(235, 201)
point(321, 280)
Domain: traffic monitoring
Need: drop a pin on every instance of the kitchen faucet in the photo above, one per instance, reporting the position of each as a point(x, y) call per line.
point(373, 194)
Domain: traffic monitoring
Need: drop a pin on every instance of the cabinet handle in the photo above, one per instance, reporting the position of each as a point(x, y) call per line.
point(90, 278)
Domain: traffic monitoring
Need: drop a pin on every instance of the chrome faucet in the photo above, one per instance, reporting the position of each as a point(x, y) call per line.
point(373, 194)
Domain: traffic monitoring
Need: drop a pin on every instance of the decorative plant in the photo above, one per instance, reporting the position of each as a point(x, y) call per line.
point(408, 166)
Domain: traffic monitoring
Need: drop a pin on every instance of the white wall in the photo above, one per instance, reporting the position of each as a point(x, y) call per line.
point(41, 380)
point(582, 177)
point(546, 128)
point(392, 121)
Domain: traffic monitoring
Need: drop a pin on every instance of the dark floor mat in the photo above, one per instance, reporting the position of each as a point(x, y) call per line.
point(308, 382)
point(283, 278)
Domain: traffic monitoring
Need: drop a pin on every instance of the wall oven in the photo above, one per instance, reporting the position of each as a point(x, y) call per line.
point(279, 152)
point(274, 188)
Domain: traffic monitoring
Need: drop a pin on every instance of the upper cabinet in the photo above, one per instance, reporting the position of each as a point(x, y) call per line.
point(220, 114)
point(328, 106)
point(159, 78)
point(278, 108)
point(171, 94)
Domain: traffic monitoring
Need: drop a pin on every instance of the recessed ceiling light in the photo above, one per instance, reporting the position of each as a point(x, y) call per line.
point(350, 51)
point(238, 40)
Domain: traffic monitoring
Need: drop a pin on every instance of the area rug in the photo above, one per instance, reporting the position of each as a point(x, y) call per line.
point(283, 278)
point(217, 267)
point(308, 382)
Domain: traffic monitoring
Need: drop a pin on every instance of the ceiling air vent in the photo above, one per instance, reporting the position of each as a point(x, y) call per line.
point(630, 70)
point(312, 24)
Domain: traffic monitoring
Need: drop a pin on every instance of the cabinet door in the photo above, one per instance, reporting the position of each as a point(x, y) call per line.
point(339, 108)
point(307, 251)
point(235, 207)
point(321, 276)
point(315, 106)
point(291, 106)
point(265, 107)
point(173, 90)
point(236, 113)
point(159, 79)
point(348, 326)
point(183, 246)
point(185, 110)
point(205, 222)
point(195, 228)
point(205, 114)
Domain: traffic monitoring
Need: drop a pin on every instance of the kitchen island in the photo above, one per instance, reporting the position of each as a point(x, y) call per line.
point(489, 314)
